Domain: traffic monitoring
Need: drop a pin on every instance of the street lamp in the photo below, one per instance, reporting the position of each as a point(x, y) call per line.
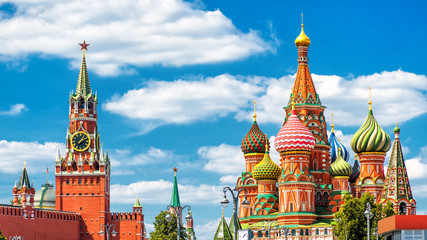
point(376, 232)
point(345, 227)
point(178, 210)
point(107, 230)
point(225, 202)
point(368, 215)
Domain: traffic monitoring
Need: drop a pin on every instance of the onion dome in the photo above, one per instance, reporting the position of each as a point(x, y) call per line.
point(396, 129)
point(340, 167)
point(294, 136)
point(336, 145)
point(356, 171)
point(266, 169)
point(254, 141)
point(370, 137)
point(302, 39)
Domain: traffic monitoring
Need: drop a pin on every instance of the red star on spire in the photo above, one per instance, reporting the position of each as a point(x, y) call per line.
point(84, 45)
point(175, 169)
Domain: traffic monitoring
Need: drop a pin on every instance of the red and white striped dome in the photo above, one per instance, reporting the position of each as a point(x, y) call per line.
point(294, 136)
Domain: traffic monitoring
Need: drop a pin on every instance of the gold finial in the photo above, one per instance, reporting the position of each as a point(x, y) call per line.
point(355, 157)
point(254, 111)
point(370, 100)
point(25, 163)
point(266, 143)
point(339, 151)
point(302, 39)
point(293, 102)
point(332, 125)
point(222, 212)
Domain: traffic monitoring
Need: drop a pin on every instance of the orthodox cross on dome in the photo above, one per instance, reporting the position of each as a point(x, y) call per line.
point(370, 99)
point(332, 125)
point(254, 111)
point(302, 19)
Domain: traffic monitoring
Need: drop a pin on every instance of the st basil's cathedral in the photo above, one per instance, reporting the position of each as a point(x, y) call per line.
point(309, 185)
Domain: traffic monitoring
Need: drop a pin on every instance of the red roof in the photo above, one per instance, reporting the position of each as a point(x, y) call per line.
point(401, 222)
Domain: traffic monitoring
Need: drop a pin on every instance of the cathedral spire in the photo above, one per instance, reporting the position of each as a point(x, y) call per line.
point(304, 91)
point(83, 85)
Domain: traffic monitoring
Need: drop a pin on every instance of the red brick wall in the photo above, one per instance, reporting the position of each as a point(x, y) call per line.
point(46, 225)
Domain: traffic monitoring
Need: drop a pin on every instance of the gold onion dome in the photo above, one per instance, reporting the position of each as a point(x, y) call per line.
point(340, 167)
point(370, 137)
point(266, 169)
point(302, 39)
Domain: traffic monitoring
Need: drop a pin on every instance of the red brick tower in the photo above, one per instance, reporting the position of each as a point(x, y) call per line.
point(83, 176)
point(309, 111)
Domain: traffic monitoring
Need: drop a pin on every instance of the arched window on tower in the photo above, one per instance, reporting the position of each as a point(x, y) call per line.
point(402, 208)
point(90, 105)
point(74, 166)
point(96, 165)
point(81, 103)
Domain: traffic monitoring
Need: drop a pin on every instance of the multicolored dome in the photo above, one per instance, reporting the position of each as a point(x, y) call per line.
point(340, 167)
point(356, 171)
point(254, 141)
point(370, 137)
point(302, 39)
point(266, 169)
point(396, 129)
point(294, 136)
point(336, 144)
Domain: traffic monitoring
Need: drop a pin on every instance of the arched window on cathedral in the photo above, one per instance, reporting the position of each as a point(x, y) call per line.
point(315, 165)
point(402, 208)
point(318, 198)
point(325, 198)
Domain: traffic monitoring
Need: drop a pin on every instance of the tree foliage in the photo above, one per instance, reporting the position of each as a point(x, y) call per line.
point(164, 230)
point(1, 236)
point(351, 217)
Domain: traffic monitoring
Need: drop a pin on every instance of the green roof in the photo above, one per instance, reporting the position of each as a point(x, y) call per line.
point(231, 225)
point(24, 179)
point(137, 203)
point(83, 85)
point(223, 232)
point(175, 194)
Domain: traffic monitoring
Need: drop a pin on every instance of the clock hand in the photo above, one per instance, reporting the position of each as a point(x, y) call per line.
point(82, 140)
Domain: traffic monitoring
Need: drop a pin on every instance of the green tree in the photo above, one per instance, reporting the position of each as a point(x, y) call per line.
point(1, 236)
point(164, 230)
point(351, 218)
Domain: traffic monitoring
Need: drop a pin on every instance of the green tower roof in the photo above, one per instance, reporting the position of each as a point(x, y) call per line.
point(223, 232)
point(137, 203)
point(175, 193)
point(24, 180)
point(83, 85)
point(231, 225)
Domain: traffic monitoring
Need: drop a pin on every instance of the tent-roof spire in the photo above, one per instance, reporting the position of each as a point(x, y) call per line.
point(175, 193)
point(83, 84)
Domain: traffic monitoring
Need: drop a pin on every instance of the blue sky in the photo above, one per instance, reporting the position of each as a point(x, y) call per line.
point(175, 81)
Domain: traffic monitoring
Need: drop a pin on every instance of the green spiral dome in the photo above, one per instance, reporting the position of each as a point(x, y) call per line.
point(266, 169)
point(370, 137)
point(340, 167)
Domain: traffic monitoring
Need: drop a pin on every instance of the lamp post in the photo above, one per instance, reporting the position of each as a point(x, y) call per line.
point(368, 215)
point(178, 210)
point(376, 232)
point(338, 220)
point(285, 231)
point(225, 203)
point(107, 228)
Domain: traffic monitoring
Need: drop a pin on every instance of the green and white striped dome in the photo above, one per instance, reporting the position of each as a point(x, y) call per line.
point(340, 167)
point(370, 137)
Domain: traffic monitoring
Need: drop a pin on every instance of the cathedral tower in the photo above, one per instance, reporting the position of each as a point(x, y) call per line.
point(396, 187)
point(83, 175)
point(309, 110)
point(370, 143)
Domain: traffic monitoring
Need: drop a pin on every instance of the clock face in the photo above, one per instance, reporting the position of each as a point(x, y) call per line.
point(80, 141)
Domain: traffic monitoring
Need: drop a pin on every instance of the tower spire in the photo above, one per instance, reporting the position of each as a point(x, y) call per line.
point(83, 85)
point(332, 124)
point(175, 193)
point(254, 111)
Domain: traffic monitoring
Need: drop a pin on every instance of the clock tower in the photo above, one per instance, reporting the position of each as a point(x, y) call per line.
point(83, 175)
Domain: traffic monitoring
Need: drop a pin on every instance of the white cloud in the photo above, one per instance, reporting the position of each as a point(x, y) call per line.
point(127, 32)
point(159, 192)
point(189, 101)
point(15, 110)
point(184, 101)
point(228, 179)
point(151, 156)
point(417, 167)
point(37, 156)
point(223, 155)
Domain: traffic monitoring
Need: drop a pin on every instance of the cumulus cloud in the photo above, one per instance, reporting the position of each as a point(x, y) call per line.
point(125, 33)
point(184, 101)
point(151, 156)
point(417, 167)
point(223, 155)
point(158, 192)
point(189, 101)
point(37, 156)
point(15, 110)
